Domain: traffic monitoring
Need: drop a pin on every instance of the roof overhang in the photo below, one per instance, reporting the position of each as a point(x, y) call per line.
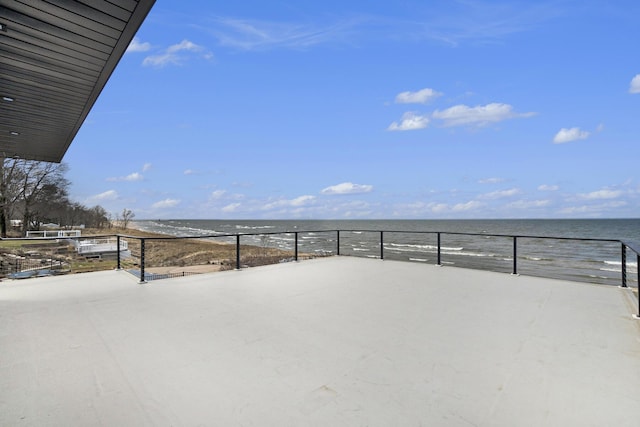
point(55, 59)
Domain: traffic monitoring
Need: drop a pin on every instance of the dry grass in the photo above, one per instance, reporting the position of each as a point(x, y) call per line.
point(165, 254)
point(162, 254)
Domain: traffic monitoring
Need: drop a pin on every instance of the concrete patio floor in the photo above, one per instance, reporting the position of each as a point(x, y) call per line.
point(338, 341)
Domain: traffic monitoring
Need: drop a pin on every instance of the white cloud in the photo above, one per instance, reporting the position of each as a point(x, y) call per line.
point(107, 195)
point(461, 207)
point(481, 22)
point(491, 181)
point(175, 54)
point(135, 176)
point(420, 209)
point(297, 202)
point(137, 46)
point(420, 97)
point(302, 200)
point(601, 194)
point(634, 87)
point(593, 209)
point(189, 172)
point(439, 208)
point(231, 207)
point(166, 203)
point(529, 204)
point(410, 121)
point(347, 188)
point(568, 135)
point(146, 167)
point(481, 115)
point(217, 194)
point(500, 194)
point(545, 187)
point(263, 35)
point(462, 21)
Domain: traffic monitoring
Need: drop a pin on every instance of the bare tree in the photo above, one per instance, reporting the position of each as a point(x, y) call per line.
point(110, 220)
point(10, 176)
point(126, 217)
point(99, 218)
point(37, 192)
point(42, 182)
point(72, 214)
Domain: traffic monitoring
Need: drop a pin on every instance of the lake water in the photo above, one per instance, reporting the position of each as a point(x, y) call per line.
point(483, 244)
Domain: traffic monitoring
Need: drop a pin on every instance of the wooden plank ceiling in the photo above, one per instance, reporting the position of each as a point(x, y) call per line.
point(55, 58)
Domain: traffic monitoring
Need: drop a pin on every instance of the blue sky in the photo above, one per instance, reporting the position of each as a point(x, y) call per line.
point(370, 109)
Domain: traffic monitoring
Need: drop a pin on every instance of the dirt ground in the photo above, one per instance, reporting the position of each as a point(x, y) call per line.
point(168, 255)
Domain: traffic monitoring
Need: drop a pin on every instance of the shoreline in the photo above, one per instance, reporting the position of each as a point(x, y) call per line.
point(477, 244)
point(170, 254)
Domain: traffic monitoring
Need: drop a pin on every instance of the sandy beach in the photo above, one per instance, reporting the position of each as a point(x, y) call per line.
point(166, 254)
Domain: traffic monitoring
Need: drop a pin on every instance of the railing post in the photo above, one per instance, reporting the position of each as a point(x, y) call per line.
point(237, 252)
point(515, 255)
point(338, 242)
point(296, 257)
point(118, 251)
point(382, 245)
point(638, 273)
point(623, 257)
point(142, 275)
point(439, 260)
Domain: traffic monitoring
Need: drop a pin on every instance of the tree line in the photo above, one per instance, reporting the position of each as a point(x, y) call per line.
point(37, 193)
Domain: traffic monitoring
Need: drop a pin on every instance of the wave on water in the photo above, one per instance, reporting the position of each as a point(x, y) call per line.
point(412, 240)
point(415, 246)
point(595, 276)
point(173, 230)
point(629, 264)
point(616, 267)
point(472, 254)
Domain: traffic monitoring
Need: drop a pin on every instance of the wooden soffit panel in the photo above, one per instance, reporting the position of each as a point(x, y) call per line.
point(55, 58)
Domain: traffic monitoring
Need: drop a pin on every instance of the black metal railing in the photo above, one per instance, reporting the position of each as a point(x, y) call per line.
point(546, 256)
point(515, 254)
point(235, 254)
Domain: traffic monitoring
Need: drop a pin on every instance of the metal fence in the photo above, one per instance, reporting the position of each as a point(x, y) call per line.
point(556, 257)
point(22, 267)
point(602, 261)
